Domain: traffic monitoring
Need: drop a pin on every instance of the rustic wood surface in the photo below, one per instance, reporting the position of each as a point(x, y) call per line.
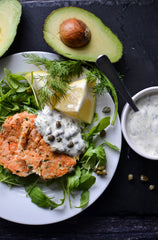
point(86, 227)
point(92, 223)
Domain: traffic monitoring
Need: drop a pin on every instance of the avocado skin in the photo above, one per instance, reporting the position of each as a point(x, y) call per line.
point(103, 40)
point(9, 20)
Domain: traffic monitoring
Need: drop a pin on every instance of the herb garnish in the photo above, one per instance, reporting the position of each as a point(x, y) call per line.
point(17, 95)
point(61, 73)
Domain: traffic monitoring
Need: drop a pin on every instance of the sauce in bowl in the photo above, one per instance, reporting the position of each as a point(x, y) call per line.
point(140, 129)
point(142, 126)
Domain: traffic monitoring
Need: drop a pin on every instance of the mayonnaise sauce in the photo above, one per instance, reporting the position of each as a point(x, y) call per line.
point(61, 132)
point(142, 126)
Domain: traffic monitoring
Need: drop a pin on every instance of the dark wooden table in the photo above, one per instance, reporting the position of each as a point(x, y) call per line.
point(126, 210)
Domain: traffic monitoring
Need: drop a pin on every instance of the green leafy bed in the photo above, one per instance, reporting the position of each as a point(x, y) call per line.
point(17, 95)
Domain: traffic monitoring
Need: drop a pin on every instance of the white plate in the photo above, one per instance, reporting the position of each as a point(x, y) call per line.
point(15, 206)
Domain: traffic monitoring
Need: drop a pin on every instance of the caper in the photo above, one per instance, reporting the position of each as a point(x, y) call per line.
point(106, 109)
point(101, 167)
point(130, 177)
point(104, 172)
point(103, 133)
point(59, 139)
point(70, 144)
point(58, 124)
point(99, 172)
point(151, 187)
point(143, 178)
point(51, 138)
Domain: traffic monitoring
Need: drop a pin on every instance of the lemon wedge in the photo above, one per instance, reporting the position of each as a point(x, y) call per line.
point(39, 78)
point(79, 101)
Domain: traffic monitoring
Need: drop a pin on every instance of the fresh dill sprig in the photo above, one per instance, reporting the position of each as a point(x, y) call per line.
point(64, 69)
point(61, 73)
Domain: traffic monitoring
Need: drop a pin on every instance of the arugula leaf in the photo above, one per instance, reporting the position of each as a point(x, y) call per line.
point(41, 199)
point(73, 180)
point(103, 123)
point(15, 96)
point(11, 179)
point(86, 181)
point(14, 81)
point(80, 180)
point(7, 177)
point(94, 156)
point(36, 195)
point(84, 199)
point(112, 146)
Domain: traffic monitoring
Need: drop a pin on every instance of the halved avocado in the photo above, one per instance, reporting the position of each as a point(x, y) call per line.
point(10, 13)
point(103, 40)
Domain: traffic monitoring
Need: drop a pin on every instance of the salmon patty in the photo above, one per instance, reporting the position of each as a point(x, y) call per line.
point(23, 150)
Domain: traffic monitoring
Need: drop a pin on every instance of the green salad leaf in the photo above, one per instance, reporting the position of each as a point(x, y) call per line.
point(15, 96)
point(42, 200)
point(102, 124)
point(86, 181)
point(14, 81)
point(84, 199)
point(73, 180)
point(11, 179)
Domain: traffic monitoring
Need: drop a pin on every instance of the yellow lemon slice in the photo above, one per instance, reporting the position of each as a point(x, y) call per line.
point(39, 78)
point(79, 101)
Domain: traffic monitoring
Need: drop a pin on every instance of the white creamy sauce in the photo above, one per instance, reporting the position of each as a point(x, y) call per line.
point(61, 132)
point(142, 126)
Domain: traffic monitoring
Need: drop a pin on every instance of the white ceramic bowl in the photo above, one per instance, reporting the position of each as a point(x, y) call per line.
point(125, 112)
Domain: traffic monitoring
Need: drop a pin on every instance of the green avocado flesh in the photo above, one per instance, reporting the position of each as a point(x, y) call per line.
point(10, 13)
point(103, 40)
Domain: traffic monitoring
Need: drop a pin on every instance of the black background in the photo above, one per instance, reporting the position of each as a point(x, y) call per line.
point(123, 210)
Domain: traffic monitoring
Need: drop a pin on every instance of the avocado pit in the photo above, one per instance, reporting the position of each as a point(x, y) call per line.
point(74, 33)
